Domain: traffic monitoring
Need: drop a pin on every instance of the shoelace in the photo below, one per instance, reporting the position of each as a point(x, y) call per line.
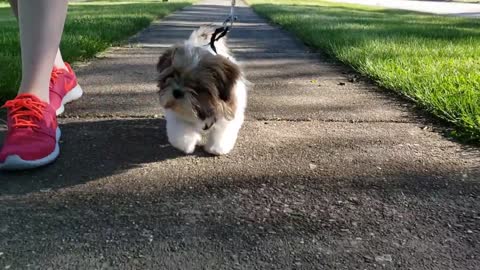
point(24, 112)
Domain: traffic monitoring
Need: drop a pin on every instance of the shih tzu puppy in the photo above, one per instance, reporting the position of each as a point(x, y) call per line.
point(202, 92)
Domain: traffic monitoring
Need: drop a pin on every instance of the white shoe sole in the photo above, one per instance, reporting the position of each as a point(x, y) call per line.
point(15, 162)
point(72, 95)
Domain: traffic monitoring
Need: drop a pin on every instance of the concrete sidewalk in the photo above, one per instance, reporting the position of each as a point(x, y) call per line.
point(328, 172)
point(434, 7)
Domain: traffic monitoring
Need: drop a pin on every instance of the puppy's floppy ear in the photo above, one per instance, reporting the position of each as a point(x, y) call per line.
point(166, 59)
point(226, 74)
point(165, 65)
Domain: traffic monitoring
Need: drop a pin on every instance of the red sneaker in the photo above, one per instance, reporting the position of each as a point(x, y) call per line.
point(33, 134)
point(64, 88)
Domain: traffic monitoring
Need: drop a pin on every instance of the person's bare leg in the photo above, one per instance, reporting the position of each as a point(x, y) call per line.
point(58, 63)
point(41, 26)
point(58, 57)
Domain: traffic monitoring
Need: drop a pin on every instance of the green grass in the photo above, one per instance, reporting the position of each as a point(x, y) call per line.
point(91, 27)
point(433, 60)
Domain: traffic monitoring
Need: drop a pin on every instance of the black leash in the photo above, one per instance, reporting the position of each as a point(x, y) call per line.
point(223, 31)
point(220, 32)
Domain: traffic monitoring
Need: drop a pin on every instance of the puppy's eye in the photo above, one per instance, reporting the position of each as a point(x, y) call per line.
point(177, 94)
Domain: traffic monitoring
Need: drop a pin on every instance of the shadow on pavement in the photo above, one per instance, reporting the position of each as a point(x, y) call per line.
point(91, 150)
point(245, 221)
point(133, 154)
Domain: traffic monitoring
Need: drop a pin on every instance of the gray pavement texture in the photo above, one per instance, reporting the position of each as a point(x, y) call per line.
point(329, 172)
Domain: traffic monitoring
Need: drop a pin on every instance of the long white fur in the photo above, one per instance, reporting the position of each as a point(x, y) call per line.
point(222, 136)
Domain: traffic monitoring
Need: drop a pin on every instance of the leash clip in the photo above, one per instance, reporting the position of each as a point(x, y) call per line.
point(230, 19)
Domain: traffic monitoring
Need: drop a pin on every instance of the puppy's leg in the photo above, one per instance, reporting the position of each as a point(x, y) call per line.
point(181, 135)
point(223, 136)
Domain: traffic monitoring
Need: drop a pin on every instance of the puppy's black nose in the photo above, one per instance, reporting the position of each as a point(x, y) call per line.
point(177, 94)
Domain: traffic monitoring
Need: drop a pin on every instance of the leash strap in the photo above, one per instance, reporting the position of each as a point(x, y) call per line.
point(222, 31)
point(231, 18)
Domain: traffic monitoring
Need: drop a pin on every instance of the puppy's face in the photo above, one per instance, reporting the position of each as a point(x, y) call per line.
point(196, 84)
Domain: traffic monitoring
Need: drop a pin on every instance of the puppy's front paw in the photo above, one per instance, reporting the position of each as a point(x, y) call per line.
point(218, 149)
point(186, 146)
point(187, 149)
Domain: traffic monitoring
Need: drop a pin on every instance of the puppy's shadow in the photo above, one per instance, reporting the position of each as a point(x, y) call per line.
point(92, 150)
